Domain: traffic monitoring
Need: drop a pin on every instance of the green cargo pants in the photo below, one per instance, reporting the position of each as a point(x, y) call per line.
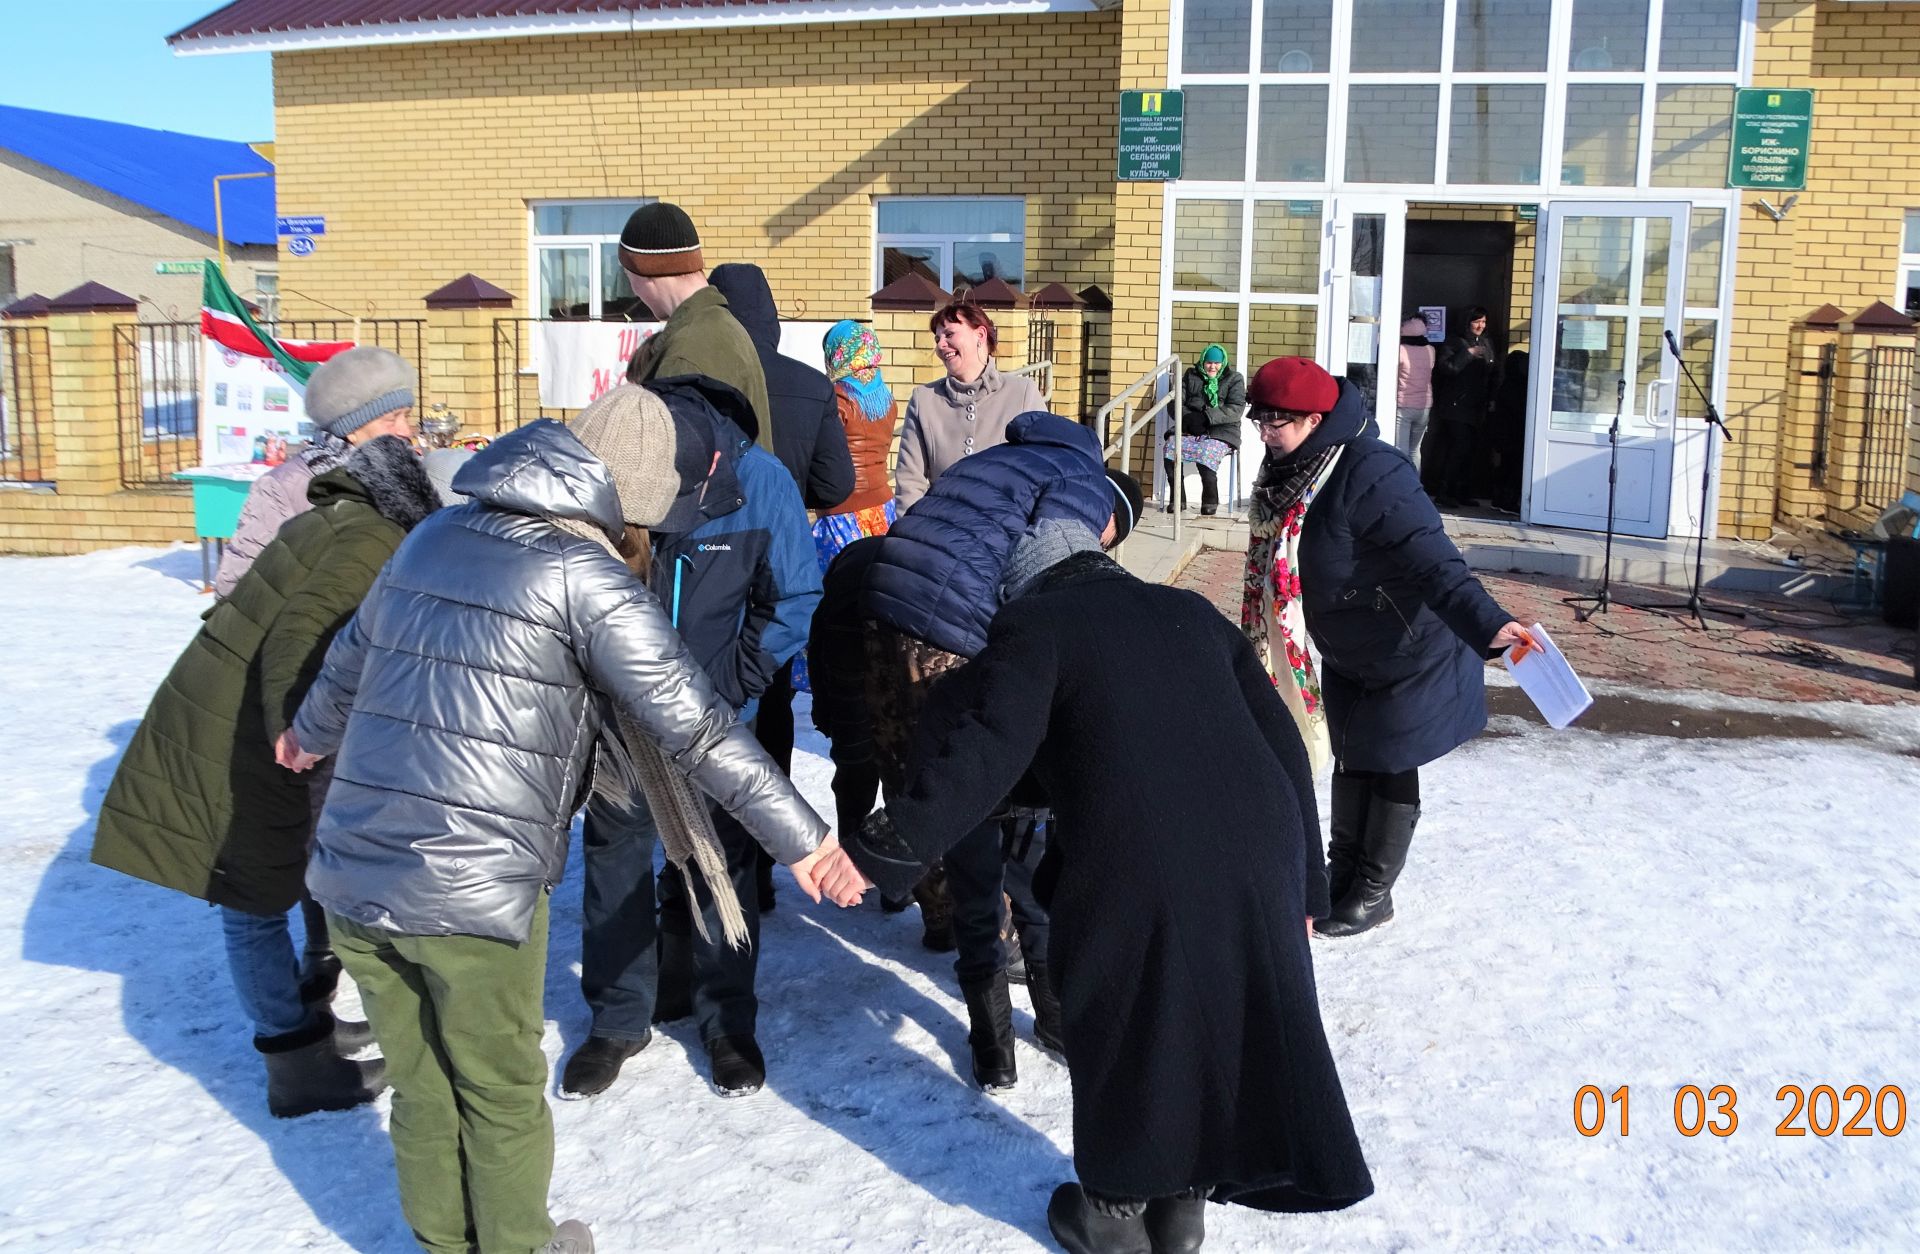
point(459, 1020)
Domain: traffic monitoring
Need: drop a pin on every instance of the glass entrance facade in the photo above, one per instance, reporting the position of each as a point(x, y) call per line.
point(1292, 104)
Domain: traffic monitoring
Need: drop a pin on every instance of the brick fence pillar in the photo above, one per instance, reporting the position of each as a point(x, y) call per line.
point(459, 349)
point(85, 401)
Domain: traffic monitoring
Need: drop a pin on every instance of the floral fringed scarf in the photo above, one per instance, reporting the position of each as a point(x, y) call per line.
point(1270, 604)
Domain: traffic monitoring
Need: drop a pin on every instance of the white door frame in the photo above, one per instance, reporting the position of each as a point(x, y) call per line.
point(1337, 292)
point(1652, 406)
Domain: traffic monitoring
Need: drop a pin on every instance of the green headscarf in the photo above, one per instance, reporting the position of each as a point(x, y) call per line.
point(1211, 382)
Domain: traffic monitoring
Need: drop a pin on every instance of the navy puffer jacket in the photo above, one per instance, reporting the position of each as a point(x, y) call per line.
point(1401, 624)
point(937, 576)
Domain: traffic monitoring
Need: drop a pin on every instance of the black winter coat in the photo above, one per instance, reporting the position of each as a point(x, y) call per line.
point(837, 655)
point(1219, 422)
point(1463, 381)
point(1401, 624)
point(1179, 944)
point(807, 435)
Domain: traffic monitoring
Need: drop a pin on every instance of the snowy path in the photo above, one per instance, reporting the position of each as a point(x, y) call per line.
point(1579, 910)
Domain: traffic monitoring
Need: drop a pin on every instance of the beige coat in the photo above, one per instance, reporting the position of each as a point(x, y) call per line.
point(949, 420)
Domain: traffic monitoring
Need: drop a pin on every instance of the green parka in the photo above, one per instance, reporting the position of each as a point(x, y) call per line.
point(198, 803)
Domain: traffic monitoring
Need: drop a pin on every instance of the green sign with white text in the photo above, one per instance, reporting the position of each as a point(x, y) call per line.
point(1772, 128)
point(1152, 134)
point(177, 267)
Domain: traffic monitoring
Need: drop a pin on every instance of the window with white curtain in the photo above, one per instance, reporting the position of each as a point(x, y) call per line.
point(963, 240)
point(576, 260)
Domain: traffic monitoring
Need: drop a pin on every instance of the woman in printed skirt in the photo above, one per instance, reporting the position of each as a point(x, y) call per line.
point(1212, 402)
point(870, 416)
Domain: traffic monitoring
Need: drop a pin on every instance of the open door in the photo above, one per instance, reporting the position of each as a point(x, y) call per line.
point(1611, 282)
point(1360, 337)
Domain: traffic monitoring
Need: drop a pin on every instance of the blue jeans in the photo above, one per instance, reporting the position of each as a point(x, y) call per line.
point(266, 973)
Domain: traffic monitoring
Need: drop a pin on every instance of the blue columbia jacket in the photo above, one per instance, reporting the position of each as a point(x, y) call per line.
point(937, 575)
point(733, 561)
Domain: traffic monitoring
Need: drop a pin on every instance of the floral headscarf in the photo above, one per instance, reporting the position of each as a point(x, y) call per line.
point(853, 361)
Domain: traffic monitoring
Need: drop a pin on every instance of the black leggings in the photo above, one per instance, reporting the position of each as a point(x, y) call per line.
point(1402, 787)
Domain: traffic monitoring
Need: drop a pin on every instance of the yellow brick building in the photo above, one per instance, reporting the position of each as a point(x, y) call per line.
point(1346, 163)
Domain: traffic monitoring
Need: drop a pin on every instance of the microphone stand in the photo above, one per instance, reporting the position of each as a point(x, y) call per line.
point(1695, 604)
point(1603, 597)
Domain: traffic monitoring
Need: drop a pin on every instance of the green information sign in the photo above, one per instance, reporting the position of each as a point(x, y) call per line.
point(1771, 130)
point(1152, 131)
point(177, 267)
point(1529, 213)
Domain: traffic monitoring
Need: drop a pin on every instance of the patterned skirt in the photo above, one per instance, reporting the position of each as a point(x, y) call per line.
point(832, 533)
point(1201, 450)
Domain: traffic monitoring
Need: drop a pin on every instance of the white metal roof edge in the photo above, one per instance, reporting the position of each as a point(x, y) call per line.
point(771, 13)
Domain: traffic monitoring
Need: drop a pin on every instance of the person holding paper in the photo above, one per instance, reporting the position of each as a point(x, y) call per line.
point(1347, 549)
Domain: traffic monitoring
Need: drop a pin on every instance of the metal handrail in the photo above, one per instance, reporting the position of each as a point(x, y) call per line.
point(1170, 367)
point(1038, 369)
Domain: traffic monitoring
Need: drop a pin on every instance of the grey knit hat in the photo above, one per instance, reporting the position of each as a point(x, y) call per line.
point(351, 389)
point(631, 431)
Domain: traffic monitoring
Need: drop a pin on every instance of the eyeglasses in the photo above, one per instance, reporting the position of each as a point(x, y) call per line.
point(1277, 419)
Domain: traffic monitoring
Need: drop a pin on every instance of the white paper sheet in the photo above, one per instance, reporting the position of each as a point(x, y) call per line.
point(1544, 675)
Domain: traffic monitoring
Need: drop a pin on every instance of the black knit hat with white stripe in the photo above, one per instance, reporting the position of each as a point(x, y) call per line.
point(660, 240)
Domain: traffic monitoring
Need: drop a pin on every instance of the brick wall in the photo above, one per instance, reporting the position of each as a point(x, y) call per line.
point(776, 140)
point(1840, 244)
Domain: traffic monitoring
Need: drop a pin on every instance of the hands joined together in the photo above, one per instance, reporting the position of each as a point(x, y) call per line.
point(829, 872)
point(288, 753)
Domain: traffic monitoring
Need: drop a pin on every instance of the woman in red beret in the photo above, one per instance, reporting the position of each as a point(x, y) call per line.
point(1348, 550)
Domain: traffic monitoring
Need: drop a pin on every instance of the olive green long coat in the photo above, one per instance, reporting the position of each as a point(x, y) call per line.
point(198, 803)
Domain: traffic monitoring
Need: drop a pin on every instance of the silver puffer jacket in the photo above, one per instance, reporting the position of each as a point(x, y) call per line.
point(460, 705)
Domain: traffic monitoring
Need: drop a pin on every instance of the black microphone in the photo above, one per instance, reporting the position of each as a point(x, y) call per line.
point(1671, 346)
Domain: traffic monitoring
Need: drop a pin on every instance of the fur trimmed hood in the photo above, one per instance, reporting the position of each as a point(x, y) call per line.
point(388, 475)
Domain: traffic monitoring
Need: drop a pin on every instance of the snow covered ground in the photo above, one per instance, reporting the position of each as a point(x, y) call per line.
point(1580, 910)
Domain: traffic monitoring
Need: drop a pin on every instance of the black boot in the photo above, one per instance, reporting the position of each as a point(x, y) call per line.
point(1351, 793)
point(673, 988)
point(738, 1067)
point(596, 1064)
point(1085, 1225)
point(936, 910)
point(990, 1015)
point(1046, 1007)
point(1369, 901)
point(1177, 1224)
point(350, 1036)
point(305, 1072)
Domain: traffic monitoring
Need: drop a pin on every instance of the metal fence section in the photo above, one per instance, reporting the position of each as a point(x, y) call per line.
point(1885, 441)
point(405, 336)
point(156, 371)
point(26, 408)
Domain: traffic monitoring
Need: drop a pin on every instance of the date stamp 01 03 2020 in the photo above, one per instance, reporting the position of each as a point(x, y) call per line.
point(1819, 1110)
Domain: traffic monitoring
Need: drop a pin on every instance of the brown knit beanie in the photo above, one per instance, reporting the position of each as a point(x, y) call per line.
point(631, 431)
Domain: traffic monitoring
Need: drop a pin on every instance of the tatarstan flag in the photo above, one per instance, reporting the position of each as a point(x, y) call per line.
point(224, 320)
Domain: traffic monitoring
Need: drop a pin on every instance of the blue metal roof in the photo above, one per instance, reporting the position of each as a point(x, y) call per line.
point(166, 171)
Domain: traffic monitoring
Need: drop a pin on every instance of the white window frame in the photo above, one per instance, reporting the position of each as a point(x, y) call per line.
point(945, 243)
point(536, 242)
point(1338, 79)
point(1909, 261)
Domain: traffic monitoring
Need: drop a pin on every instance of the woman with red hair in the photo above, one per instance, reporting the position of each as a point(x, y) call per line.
point(966, 411)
